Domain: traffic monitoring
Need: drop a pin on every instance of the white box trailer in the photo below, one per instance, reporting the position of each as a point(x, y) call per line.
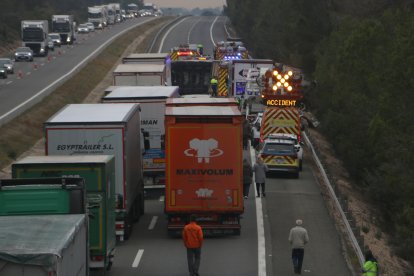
point(152, 100)
point(151, 58)
point(44, 245)
point(82, 129)
point(141, 74)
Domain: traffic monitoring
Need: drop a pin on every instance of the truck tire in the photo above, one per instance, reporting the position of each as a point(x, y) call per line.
point(77, 205)
point(141, 205)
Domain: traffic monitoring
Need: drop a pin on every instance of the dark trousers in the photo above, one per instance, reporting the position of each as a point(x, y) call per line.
point(260, 186)
point(193, 258)
point(214, 89)
point(246, 188)
point(297, 259)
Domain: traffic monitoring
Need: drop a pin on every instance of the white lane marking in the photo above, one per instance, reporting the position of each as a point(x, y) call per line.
point(28, 73)
point(162, 198)
point(211, 31)
point(261, 242)
point(9, 82)
point(191, 29)
point(166, 34)
point(225, 27)
point(138, 258)
point(153, 222)
point(80, 64)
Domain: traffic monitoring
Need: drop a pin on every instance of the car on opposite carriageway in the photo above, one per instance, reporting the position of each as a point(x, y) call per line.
point(55, 37)
point(23, 53)
point(8, 64)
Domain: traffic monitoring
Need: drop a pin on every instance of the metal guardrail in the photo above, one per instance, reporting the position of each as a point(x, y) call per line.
point(346, 219)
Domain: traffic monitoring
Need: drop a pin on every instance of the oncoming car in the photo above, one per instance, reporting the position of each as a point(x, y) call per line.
point(83, 29)
point(8, 64)
point(91, 27)
point(23, 53)
point(280, 155)
point(55, 37)
point(3, 72)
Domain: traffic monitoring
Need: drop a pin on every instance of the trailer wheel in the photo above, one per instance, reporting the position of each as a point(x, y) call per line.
point(109, 266)
point(77, 205)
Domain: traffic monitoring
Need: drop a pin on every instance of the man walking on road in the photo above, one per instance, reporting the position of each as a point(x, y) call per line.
point(298, 237)
point(193, 240)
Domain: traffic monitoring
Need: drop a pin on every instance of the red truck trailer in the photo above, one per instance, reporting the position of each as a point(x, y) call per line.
point(204, 167)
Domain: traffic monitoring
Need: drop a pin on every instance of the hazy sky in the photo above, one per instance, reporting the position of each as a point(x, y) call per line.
point(188, 4)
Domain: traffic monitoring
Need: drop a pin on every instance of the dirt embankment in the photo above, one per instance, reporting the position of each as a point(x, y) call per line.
point(363, 213)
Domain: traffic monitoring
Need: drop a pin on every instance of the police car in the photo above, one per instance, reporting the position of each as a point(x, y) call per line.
point(280, 155)
point(294, 138)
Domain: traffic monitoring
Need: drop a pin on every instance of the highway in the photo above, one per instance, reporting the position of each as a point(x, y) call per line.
point(32, 81)
point(262, 248)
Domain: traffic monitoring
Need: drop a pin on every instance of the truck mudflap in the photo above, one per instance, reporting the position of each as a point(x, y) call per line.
point(102, 261)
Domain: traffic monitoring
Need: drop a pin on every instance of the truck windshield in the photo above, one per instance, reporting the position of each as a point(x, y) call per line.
point(32, 34)
point(95, 15)
point(61, 27)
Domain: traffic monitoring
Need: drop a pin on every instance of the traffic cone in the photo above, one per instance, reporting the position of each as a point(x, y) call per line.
point(20, 74)
point(49, 58)
point(35, 66)
point(59, 53)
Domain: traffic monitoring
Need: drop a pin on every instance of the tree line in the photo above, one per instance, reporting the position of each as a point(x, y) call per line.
point(360, 54)
point(13, 12)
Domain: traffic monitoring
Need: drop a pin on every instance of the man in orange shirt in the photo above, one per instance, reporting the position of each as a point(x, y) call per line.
point(193, 240)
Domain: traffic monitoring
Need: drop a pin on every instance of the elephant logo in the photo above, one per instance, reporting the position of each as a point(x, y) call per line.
point(203, 149)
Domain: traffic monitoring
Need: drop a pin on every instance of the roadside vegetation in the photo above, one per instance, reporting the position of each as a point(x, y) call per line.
point(360, 55)
point(22, 133)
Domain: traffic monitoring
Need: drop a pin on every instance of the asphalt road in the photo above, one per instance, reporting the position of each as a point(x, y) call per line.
point(150, 251)
point(34, 80)
point(262, 248)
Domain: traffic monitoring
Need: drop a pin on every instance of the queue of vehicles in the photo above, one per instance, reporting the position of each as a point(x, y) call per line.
point(192, 146)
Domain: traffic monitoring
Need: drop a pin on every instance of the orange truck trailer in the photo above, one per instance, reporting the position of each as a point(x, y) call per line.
point(204, 168)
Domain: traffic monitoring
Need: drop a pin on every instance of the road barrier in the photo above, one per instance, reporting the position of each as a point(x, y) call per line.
point(353, 232)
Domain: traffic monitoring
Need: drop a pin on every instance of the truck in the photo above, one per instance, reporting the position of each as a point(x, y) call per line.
point(111, 14)
point(142, 74)
point(281, 95)
point(98, 16)
point(152, 100)
point(39, 245)
point(238, 73)
point(65, 27)
point(132, 9)
point(196, 100)
point(204, 168)
point(98, 171)
point(44, 229)
point(151, 58)
point(35, 36)
point(192, 76)
point(111, 129)
point(117, 8)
